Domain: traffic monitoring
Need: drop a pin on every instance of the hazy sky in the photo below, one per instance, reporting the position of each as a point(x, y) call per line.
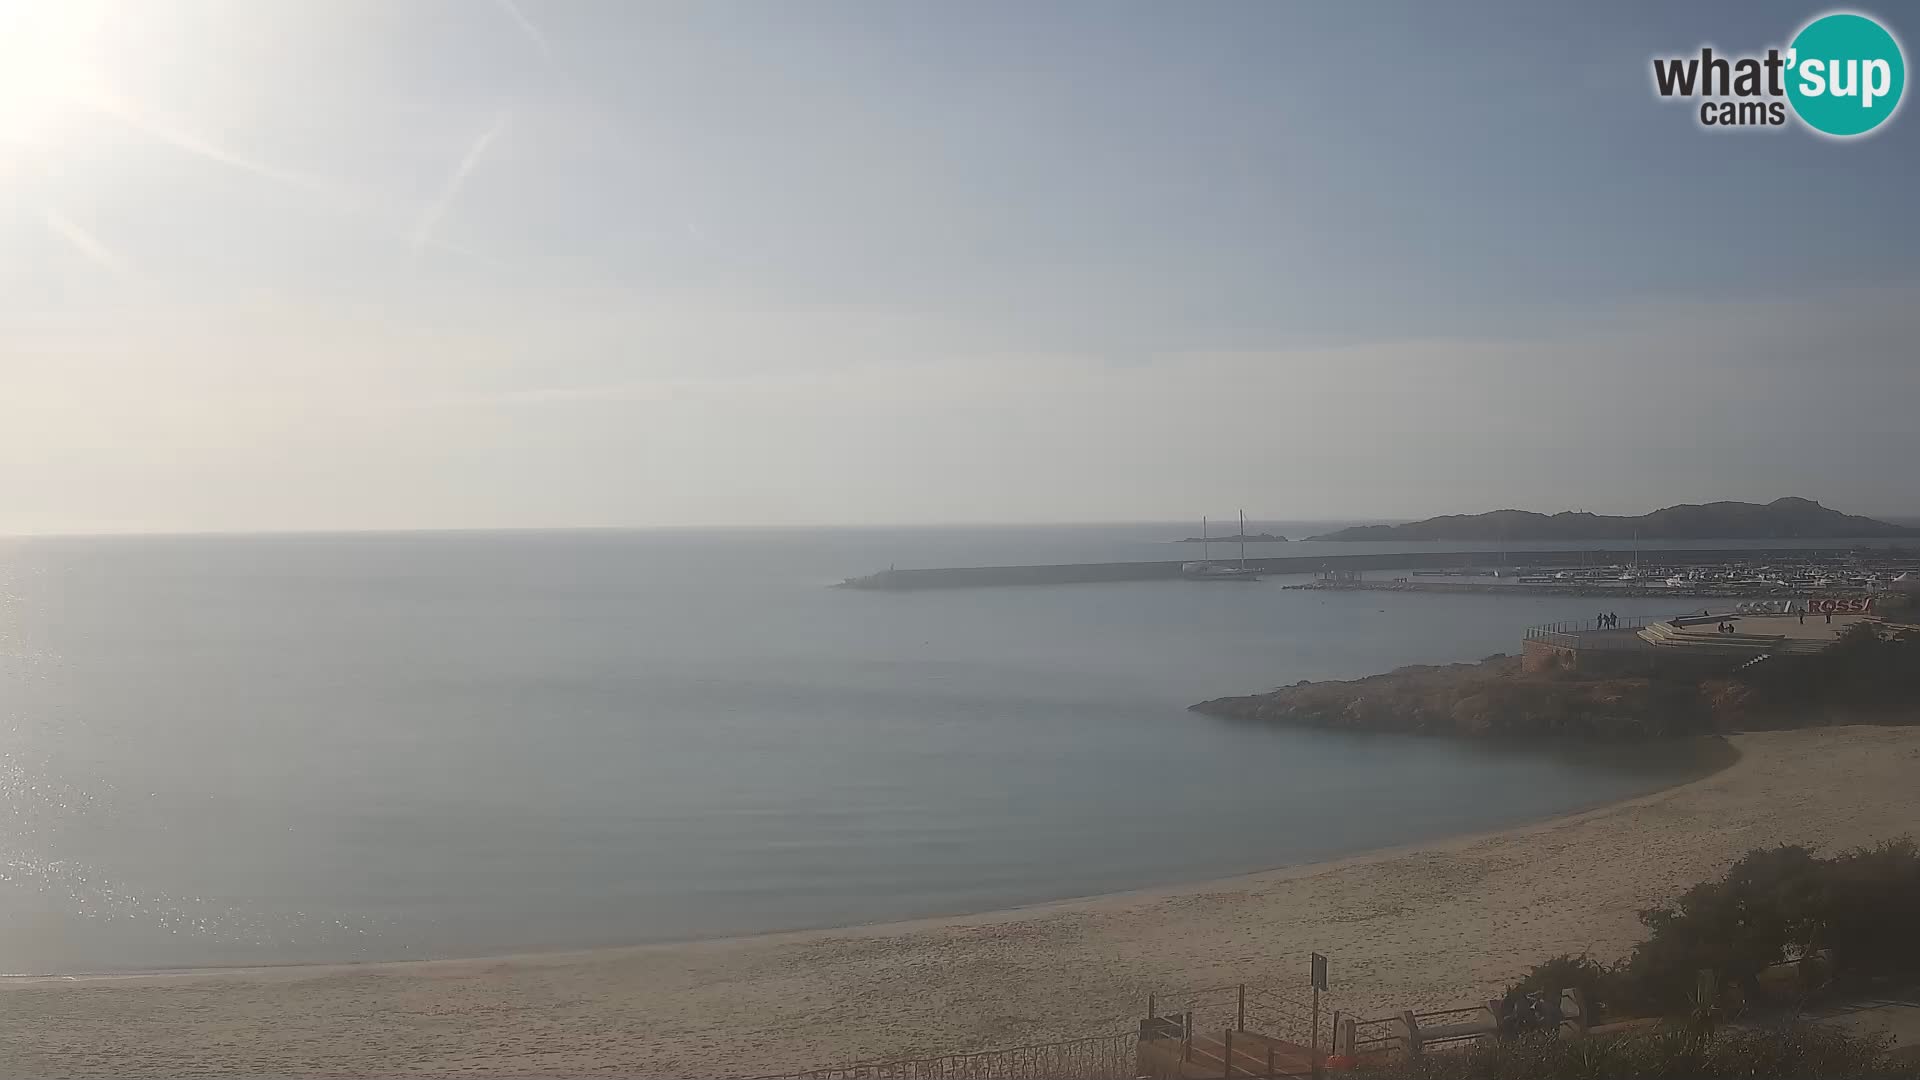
point(286, 264)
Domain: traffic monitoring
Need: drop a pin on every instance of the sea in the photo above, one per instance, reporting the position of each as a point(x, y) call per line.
point(278, 749)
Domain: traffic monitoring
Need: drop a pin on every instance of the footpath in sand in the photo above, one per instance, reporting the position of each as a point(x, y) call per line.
point(1437, 925)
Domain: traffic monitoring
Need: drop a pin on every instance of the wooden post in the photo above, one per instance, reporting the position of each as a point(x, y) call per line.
point(1186, 1036)
point(1240, 1010)
point(1410, 1033)
point(1270, 1059)
point(1226, 1054)
point(1151, 1013)
point(1313, 1040)
point(1318, 978)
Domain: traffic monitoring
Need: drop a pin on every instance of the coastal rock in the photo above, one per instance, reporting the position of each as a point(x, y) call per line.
point(1873, 672)
point(1490, 698)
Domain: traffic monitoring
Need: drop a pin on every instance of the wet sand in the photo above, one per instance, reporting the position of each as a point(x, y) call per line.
point(1435, 925)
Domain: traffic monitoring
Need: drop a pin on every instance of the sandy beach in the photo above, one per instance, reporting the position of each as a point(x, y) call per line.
point(1436, 925)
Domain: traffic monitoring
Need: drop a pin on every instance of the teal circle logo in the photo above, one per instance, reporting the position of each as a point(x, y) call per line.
point(1845, 73)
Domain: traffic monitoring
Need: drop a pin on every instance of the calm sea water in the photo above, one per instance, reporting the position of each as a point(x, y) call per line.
point(318, 748)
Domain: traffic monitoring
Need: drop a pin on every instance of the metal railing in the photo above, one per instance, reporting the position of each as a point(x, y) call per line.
point(1580, 633)
point(1223, 1009)
point(1410, 1034)
point(1098, 1057)
point(1368, 1039)
point(1233, 1030)
point(1465, 1024)
point(1245, 1007)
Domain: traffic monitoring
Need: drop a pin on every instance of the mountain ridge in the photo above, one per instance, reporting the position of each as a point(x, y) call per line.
point(1782, 519)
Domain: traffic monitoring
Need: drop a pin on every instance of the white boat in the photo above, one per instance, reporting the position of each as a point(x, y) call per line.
point(1208, 570)
point(1633, 573)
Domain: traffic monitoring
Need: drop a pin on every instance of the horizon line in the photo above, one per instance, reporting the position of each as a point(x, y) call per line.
point(1905, 518)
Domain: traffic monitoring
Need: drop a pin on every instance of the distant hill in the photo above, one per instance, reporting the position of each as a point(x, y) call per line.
point(1781, 519)
point(1251, 538)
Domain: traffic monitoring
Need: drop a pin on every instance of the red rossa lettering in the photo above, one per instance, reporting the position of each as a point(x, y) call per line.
point(1840, 605)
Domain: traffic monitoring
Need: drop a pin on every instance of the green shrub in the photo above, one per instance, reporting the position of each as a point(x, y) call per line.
point(1598, 983)
point(1737, 926)
point(1871, 918)
point(1872, 667)
point(1860, 907)
point(1797, 1050)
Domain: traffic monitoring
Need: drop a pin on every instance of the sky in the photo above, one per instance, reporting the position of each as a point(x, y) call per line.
point(355, 264)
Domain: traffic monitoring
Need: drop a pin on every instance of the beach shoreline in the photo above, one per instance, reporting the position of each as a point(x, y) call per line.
point(1407, 927)
point(1728, 755)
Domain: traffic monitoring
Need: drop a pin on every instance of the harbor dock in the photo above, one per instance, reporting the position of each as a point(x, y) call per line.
point(1085, 573)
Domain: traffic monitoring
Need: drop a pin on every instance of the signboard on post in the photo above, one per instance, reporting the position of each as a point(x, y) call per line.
point(1319, 972)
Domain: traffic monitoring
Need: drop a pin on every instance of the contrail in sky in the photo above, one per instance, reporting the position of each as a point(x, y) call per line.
point(422, 233)
point(512, 11)
point(87, 244)
point(181, 138)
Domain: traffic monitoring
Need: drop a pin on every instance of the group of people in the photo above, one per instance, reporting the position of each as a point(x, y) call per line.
point(1609, 621)
point(1725, 627)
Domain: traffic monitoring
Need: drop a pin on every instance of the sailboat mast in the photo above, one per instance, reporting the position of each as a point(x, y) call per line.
point(1206, 545)
point(1243, 539)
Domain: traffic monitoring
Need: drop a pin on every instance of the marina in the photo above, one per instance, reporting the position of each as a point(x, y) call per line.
point(1682, 571)
point(1773, 577)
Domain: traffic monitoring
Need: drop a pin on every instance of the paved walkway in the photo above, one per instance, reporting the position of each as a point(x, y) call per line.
point(1897, 1015)
point(1815, 628)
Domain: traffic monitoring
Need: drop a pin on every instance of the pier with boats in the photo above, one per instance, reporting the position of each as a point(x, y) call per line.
point(1762, 574)
point(1733, 572)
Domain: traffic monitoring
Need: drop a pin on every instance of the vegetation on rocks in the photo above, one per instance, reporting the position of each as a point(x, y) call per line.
point(1874, 668)
point(1874, 672)
point(1788, 1051)
point(1490, 698)
point(1781, 926)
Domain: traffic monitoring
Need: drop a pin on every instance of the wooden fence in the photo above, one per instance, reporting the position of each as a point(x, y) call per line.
point(1235, 1029)
point(1411, 1034)
point(1098, 1057)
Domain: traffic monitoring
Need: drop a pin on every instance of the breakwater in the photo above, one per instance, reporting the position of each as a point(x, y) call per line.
point(958, 577)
